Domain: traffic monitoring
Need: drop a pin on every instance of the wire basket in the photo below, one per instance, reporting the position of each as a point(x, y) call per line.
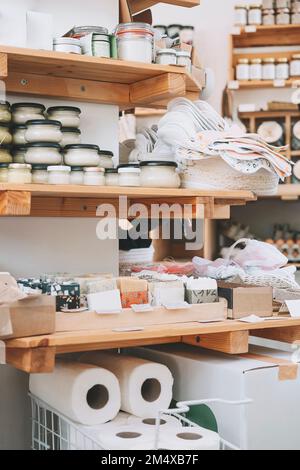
point(53, 431)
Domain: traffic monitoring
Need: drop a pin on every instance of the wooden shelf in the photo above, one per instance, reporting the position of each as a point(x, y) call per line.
point(37, 354)
point(262, 84)
point(91, 79)
point(137, 6)
point(82, 201)
point(286, 192)
point(273, 35)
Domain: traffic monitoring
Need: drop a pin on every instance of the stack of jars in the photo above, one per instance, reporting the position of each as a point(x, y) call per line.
point(270, 12)
point(268, 68)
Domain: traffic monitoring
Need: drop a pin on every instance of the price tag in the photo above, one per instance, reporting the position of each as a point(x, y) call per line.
point(279, 83)
point(236, 31)
point(234, 85)
point(296, 84)
point(142, 308)
point(293, 307)
point(250, 29)
point(2, 353)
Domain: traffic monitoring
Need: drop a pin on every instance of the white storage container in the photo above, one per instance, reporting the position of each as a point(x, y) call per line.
point(129, 176)
point(94, 176)
point(69, 116)
point(19, 173)
point(82, 155)
point(59, 174)
point(159, 174)
point(43, 131)
point(43, 153)
point(23, 112)
point(135, 42)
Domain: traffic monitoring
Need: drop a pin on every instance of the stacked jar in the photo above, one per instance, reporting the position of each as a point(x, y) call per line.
point(135, 42)
point(5, 140)
point(268, 68)
point(270, 12)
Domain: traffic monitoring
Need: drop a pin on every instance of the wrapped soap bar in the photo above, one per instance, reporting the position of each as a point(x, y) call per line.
point(133, 291)
point(67, 295)
point(201, 291)
point(101, 285)
point(167, 293)
point(84, 279)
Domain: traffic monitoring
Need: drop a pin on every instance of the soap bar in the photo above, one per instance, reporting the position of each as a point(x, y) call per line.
point(67, 295)
point(133, 291)
point(101, 285)
point(201, 291)
point(165, 293)
point(105, 302)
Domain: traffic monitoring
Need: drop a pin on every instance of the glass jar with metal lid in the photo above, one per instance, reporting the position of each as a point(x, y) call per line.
point(268, 17)
point(19, 173)
point(77, 175)
point(5, 113)
point(111, 177)
point(68, 45)
point(269, 69)
point(296, 13)
point(243, 70)
point(295, 66)
point(101, 45)
point(70, 136)
point(43, 131)
point(129, 175)
point(82, 155)
point(240, 15)
point(68, 116)
point(43, 153)
point(166, 57)
point(174, 30)
point(23, 112)
point(256, 69)
point(5, 154)
point(159, 174)
point(94, 176)
point(135, 42)
point(59, 174)
point(5, 135)
point(282, 68)
point(3, 172)
point(184, 59)
point(18, 153)
point(255, 14)
point(18, 134)
point(283, 16)
point(106, 159)
point(39, 174)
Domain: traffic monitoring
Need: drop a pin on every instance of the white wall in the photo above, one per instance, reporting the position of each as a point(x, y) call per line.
point(32, 246)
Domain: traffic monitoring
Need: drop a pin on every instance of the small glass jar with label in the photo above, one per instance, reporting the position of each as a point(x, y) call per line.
point(77, 175)
point(295, 66)
point(255, 15)
point(19, 173)
point(268, 17)
point(39, 174)
point(112, 177)
point(243, 70)
point(269, 69)
point(166, 57)
point(282, 69)
point(94, 176)
point(256, 69)
point(240, 15)
point(283, 16)
point(296, 13)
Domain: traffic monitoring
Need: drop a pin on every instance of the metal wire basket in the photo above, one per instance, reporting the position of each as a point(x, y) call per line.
point(53, 431)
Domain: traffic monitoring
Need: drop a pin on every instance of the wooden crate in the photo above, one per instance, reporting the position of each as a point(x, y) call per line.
point(87, 321)
point(31, 317)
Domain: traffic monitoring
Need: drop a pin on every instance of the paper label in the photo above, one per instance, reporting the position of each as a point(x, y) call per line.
point(279, 83)
point(177, 306)
point(128, 329)
point(293, 307)
point(234, 85)
point(5, 322)
point(2, 353)
point(250, 29)
point(142, 308)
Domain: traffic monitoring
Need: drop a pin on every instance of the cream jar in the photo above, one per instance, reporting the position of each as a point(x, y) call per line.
point(69, 116)
point(166, 57)
point(112, 177)
point(187, 34)
point(256, 69)
point(184, 59)
point(19, 173)
point(18, 153)
point(43, 131)
point(82, 155)
point(268, 17)
point(77, 175)
point(255, 15)
point(23, 112)
point(243, 70)
point(174, 30)
point(283, 16)
point(39, 174)
point(94, 176)
point(43, 153)
point(3, 172)
point(159, 174)
point(129, 175)
point(282, 69)
point(296, 13)
point(295, 66)
point(240, 15)
point(269, 69)
point(19, 132)
point(106, 159)
point(5, 113)
point(70, 136)
point(135, 42)
point(59, 174)
point(69, 45)
point(101, 45)
point(5, 155)
point(5, 135)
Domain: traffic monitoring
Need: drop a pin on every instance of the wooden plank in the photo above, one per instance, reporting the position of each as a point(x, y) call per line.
point(273, 35)
point(235, 342)
point(139, 5)
point(69, 207)
point(3, 65)
point(15, 203)
point(34, 361)
point(285, 335)
point(166, 86)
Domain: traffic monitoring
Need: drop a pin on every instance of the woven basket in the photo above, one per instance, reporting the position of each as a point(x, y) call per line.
point(214, 173)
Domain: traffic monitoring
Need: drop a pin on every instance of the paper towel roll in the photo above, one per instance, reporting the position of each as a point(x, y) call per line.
point(83, 393)
point(166, 422)
point(127, 438)
point(146, 387)
point(189, 439)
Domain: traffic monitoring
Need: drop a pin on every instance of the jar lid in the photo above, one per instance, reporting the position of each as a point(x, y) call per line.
point(106, 153)
point(282, 60)
point(183, 54)
point(3, 165)
point(16, 127)
point(73, 130)
point(166, 51)
point(111, 171)
point(129, 165)
point(158, 163)
point(87, 29)
point(4, 103)
point(160, 26)
point(61, 168)
point(101, 37)
point(68, 41)
point(19, 166)
point(238, 7)
point(269, 60)
point(43, 145)
point(77, 168)
point(143, 28)
point(129, 170)
point(5, 147)
point(15, 106)
point(94, 169)
point(4, 124)
point(39, 167)
point(64, 108)
point(43, 122)
point(192, 28)
point(243, 61)
point(256, 61)
point(175, 25)
point(19, 148)
point(82, 147)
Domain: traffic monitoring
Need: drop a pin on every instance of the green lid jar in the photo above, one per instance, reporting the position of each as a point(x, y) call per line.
point(5, 155)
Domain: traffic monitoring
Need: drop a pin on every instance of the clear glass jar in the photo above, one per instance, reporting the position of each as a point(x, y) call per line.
point(82, 155)
point(59, 174)
point(255, 15)
point(268, 17)
point(296, 13)
point(18, 153)
point(5, 113)
point(166, 57)
point(187, 34)
point(268, 4)
point(106, 159)
point(94, 176)
point(174, 30)
point(283, 16)
point(243, 70)
point(295, 66)
point(112, 177)
point(101, 45)
point(184, 59)
point(159, 174)
point(71, 136)
point(283, 3)
point(39, 174)
point(240, 15)
point(43, 131)
point(5, 155)
point(269, 69)
point(23, 112)
point(129, 176)
point(68, 116)
point(68, 45)
point(19, 173)
point(282, 69)
point(3, 172)
point(256, 69)
point(19, 132)
point(43, 153)
point(77, 175)
point(135, 42)
point(5, 135)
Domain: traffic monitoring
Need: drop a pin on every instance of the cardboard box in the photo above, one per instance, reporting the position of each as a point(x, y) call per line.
point(28, 317)
point(271, 422)
point(247, 300)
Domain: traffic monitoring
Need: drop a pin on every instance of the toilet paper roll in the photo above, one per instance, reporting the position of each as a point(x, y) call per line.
point(166, 422)
point(83, 393)
point(146, 387)
point(189, 439)
point(127, 438)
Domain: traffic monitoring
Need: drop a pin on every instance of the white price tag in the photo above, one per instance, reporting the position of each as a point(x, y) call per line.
point(2, 353)
point(178, 306)
point(234, 85)
point(296, 84)
point(279, 83)
point(128, 329)
point(142, 308)
point(236, 31)
point(250, 29)
point(293, 307)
